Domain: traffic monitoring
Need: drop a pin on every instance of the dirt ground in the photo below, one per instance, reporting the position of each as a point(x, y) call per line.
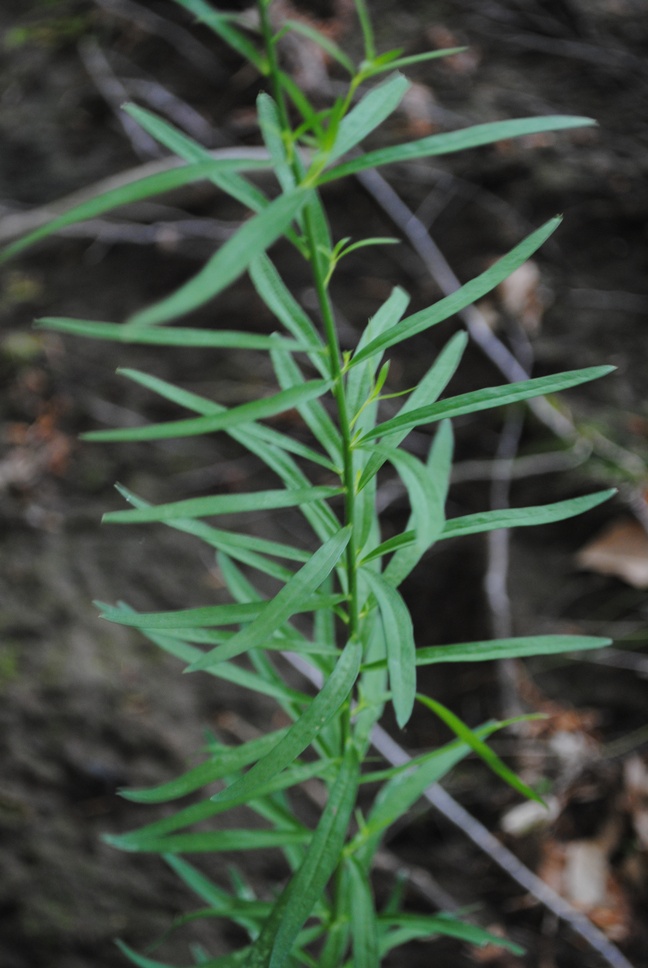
point(87, 708)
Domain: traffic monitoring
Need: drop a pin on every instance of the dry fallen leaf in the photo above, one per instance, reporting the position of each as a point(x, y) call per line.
point(621, 550)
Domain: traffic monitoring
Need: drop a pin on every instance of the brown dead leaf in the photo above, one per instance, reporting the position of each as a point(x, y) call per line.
point(621, 550)
point(522, 297)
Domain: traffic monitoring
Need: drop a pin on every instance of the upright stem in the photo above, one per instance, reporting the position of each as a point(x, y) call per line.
point(319, 271)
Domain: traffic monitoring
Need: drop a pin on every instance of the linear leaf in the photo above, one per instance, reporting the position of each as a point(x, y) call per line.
point(280, 301)
point(363, 921)
point(228, 181)
point(210, 841)
point(293, 597)
point(235, 960)
point(428, 517)
point(226, 762)
point(275, 944)
point(488, 398)
point(428, 390)
point(413, 926)
point(468, 736)
point(199, 507)
point(227, 541)
point(186, 618)
point(519, 648)
point(369, 114)
point(400, 62)
point(327, 45)
point(228, 263)
point(221, 24)
point(391, 544)
point(452, 141)
point(170, 336)
point(466, 295)
point(301, 734)
point(133, 191)
point(271, 131)
point(401, 649)
point(245, 413)
point(524, 517)
point(311, 411)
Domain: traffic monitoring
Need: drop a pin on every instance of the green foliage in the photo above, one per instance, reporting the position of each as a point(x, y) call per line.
point(354, 629)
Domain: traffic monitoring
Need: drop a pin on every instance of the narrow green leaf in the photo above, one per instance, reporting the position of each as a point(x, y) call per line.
point(413, 926)
point(280, 301)
point(186, 618)
point(517, 648)
point(292, 598)
point(222, 25)
point(230, 182)
point(428, 390)
point(199, 507)
point(401, 649)
point(452, 141)
point(133, 191)
point(243, 414)
point(276, 942)
point(272, 133)
point(170, 336)
point(364, 923)
point(244, 678)
point(210, 841)
point(403, 540)
point(468, 736)
point(301, 734)
point(427, 518)
point(465, 295)
point(410, 782)
point(226, 762)
point(369, 114)
point(311, 411)
point(398, 63)
point(488, 398)
point(524, 517)
point(235, 960)
point(229, 262)
point(327, 45)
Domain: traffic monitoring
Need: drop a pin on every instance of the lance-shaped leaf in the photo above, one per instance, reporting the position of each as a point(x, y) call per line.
point(292, 598)
point(369, 114)
point(229, 262)
point(243, 414)
point(425, 393)
point(170, 336)
point(399, 638)
point(133, 191)
point(463, 297)
point(275, 943)
point(468, 736)
point(524, 517)
point(236, 960)
point(364, 924)
point(428, 515)
point(301, 734)
point(210, 841)
point(312, 413)
point(224, 25)
point(515, 648)
point(271, 132)
point(280, 301)
point(488, 398)
point(245, 433)
point(201, 507)
point(452, 141)
point(224, 763)
point(409, 927)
